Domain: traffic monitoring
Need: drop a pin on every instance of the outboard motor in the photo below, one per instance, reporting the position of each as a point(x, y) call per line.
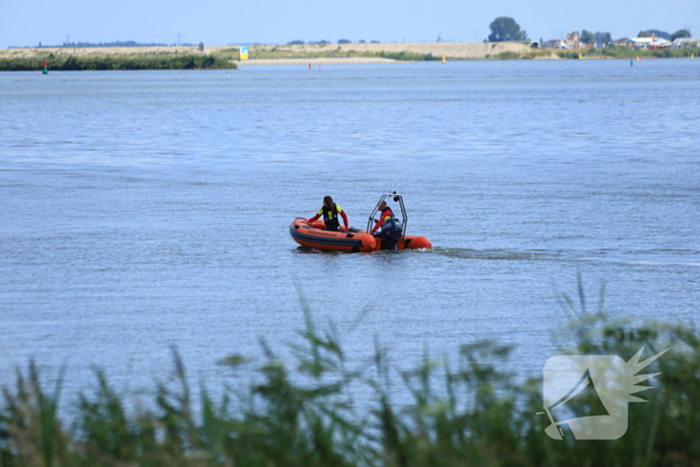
point(391, 233)
point(391, 225)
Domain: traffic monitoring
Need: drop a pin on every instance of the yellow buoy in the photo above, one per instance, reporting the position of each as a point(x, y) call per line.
point(444, 59)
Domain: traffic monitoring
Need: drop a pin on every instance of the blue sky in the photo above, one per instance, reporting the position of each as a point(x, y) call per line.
point(27, 22)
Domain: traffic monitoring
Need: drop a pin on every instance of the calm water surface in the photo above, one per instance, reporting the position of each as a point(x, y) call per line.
point(140, 210)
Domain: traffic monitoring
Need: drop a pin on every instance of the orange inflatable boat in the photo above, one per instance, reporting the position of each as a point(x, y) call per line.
point(353, 240)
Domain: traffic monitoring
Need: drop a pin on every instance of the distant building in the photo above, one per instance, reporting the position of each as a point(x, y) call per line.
point(555, 44)
point(572, 41)
point(651, 43)
point(625, 43)
point(686, 42)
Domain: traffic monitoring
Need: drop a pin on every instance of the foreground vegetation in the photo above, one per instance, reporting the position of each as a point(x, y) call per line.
point(117, 62)
point(306, 413)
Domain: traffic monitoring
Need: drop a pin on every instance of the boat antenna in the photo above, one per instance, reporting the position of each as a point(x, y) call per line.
point(391, 179)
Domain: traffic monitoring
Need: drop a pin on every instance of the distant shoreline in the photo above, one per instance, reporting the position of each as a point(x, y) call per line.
point(285, 54)
point(228, 57)
point(454, 50)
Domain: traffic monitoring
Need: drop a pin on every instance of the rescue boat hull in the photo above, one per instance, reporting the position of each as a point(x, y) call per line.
point(315, 236)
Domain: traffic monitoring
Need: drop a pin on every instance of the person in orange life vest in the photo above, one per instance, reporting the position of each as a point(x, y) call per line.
point(330, 212)
point(386, 213)
point(391, 228)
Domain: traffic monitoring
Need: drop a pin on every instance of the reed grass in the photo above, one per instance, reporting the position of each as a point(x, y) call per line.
point(303, 412)
point(605, 52)
point(148, 61)
point(629, 52)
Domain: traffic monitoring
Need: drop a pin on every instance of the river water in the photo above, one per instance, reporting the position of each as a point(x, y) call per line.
point(141, 210)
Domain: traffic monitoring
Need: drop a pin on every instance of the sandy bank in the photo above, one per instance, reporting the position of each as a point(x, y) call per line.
point(454, 50)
